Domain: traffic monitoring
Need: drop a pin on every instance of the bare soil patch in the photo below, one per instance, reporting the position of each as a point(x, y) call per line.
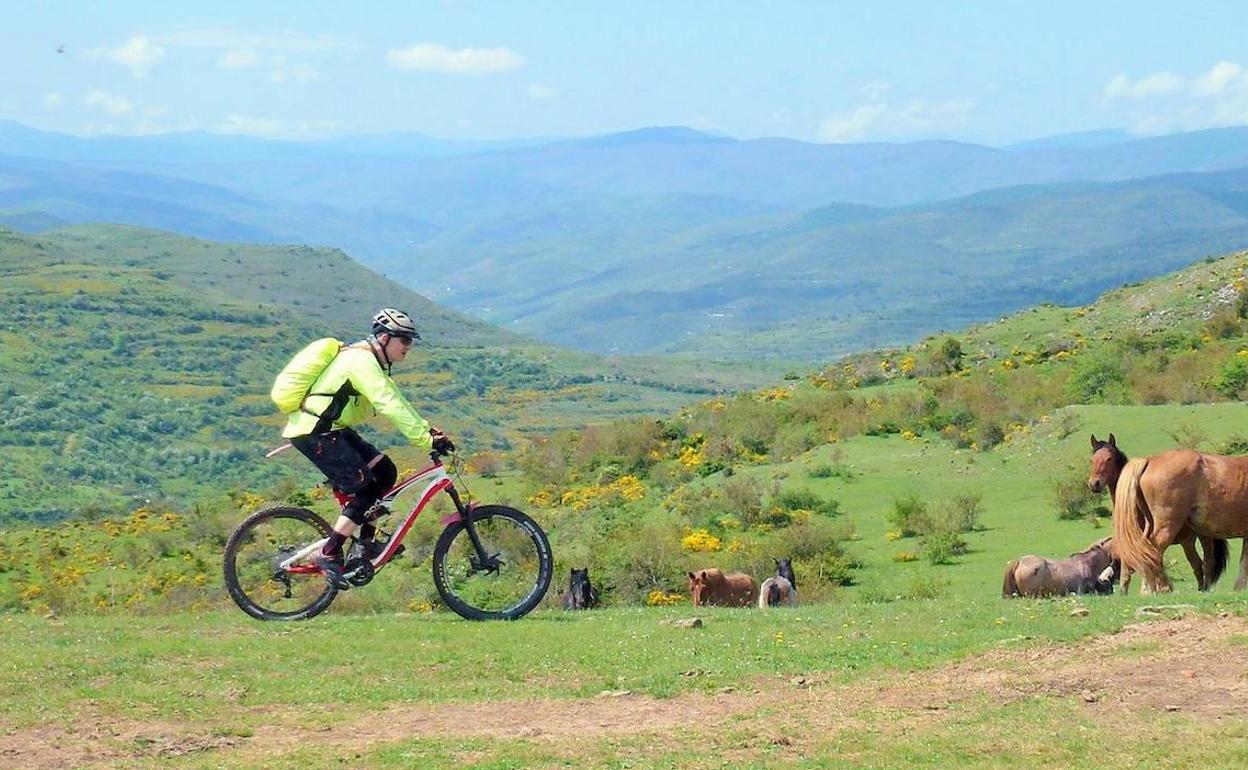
point(1194, 665)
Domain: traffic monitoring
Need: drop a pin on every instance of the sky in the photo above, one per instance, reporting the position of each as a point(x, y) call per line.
point(992, 72)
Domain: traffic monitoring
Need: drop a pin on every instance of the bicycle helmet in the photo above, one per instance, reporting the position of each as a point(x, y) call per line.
point(396, 323)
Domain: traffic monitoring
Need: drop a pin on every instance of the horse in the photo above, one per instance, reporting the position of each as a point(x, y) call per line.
point(1166, 498)
point(780, 588)
point(1092, 570)
point(581, 593)
point(1107, 464)
point(712, 587)
point(775, 591)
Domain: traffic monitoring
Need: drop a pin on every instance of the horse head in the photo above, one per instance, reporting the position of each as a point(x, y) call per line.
point(704, 582)
point(1107, 463)
point(784, 568)
point(580, 590)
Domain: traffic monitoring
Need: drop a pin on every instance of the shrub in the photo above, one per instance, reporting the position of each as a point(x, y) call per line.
point(1073, 500)
point(793, 500)
point(1234, 445)
point(1224, 324)
point(1098, 378)
point(811, 538)
point(947, 357)
point(1231, 380)
point(941, 547)
point(909, 515)
point(962, 511)
point(926, 587)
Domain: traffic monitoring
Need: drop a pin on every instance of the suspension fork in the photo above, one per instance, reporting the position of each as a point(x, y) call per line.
point(485, 560)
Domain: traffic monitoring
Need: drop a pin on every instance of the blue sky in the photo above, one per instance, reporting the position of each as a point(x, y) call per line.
point(990, 72)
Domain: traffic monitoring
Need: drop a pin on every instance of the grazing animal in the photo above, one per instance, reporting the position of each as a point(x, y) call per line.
point(581, 593)
point(713, 587)
point(1093, 570)
point(1213, 491)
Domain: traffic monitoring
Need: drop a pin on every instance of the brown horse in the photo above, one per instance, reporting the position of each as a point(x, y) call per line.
point(713, 587)
point(1168, 497)
point(1091, 571)
point(1107, 464)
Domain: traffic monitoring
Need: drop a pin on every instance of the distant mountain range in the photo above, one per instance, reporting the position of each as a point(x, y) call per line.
point(669, 239)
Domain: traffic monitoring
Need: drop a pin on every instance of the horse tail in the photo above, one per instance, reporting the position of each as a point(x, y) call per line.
point(1009, 588)
point(1221, 555)
point(1132, 519)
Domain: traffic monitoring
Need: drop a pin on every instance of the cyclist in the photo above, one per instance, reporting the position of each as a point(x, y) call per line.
point(351, 389)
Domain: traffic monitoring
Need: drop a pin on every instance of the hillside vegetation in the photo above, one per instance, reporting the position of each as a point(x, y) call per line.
point(137, 366)
point(904, 473)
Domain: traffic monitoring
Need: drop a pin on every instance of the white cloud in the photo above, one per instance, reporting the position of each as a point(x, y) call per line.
point(53, 100)
point(1216, 80)
point(106, 102)
point(138, 53)
point(1164, 102)
point(538, 91)
point(880, 119)
point(431, 57)
point(239, 59)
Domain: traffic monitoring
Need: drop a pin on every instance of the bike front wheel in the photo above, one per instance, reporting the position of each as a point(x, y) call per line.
point(254, 575)
point(513, 577)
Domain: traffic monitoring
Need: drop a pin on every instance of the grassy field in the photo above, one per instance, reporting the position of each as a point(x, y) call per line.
point(848, 684)
point(914, 665)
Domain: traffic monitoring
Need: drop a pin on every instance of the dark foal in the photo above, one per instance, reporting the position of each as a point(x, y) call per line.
point(581, 593)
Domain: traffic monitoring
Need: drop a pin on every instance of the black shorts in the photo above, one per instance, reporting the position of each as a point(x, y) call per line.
point(341, 455)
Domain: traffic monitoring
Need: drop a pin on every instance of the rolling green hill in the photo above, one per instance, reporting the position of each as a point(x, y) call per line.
point(899, 474)
point(137, 366)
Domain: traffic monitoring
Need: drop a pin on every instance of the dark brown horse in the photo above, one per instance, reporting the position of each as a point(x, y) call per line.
point(1107, 464)
point(1173, 497)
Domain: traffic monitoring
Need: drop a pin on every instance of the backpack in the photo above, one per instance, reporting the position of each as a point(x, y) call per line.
point(301, 373)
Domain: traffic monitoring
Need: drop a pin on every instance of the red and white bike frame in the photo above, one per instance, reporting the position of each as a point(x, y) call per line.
point(435, 479)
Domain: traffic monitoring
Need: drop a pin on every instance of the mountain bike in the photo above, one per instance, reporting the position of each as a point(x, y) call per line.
point(491, 562)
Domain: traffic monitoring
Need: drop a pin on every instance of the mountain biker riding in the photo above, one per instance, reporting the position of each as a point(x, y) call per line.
point(351, 389)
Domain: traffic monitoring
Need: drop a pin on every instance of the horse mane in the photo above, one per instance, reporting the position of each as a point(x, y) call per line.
point(1095, 546)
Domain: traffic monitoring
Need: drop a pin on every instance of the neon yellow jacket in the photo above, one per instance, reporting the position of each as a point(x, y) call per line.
point(373, 393)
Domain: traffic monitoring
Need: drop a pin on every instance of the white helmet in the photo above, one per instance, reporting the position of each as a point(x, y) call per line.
point(396, 323)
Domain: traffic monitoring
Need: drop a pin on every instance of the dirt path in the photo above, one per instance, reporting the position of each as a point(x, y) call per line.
point(1193, 665)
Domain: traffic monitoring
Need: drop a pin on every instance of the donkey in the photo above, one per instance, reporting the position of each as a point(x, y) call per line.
point(712, 587)
point(581, 593)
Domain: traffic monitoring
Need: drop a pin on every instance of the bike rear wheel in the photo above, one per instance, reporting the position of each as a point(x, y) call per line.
point(517, 574)
point(257, 584)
